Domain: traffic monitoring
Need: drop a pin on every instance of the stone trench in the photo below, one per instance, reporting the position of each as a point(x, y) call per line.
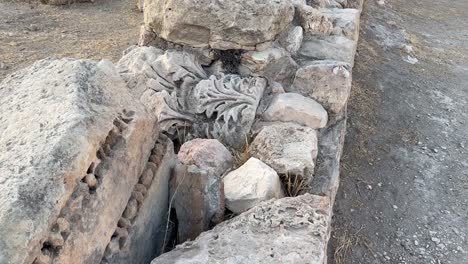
point(216, 140)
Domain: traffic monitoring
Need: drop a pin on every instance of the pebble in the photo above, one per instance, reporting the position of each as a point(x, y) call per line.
point(395, 207)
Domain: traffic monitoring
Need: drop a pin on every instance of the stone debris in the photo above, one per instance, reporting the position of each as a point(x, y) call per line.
point(219, 25)
point(328, 82)
point(207, 154)
point(251, 184)
point(73, 145)
point(289, 230)
point(288, 148)
point(117, 164)
point(293, 107)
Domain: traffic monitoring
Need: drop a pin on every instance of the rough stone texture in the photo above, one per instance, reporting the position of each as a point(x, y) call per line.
point(207, 154)
point(314, 21)
point(338, 48)
point(198, 198)
point(328, 82)
point(218, 24)
point(291, 39)
point(327, 171)
point(273, 63)
point(289, 230)
point(345, 21)
point(286, 147)
point(175, 87)
point(67, 119)
point(251, 184)
point(141, 239)
point(293, 107)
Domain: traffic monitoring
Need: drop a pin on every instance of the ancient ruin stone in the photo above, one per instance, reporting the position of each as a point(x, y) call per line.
point(314, 22)
point(291, 39)
point(275, 64)
point(288, 230)
point(345, 21)
point(293, 107)
point(219, 25)
point(67, 119)
point(141, 237)
point(251, 184)
point(207, 154)
point(186, 101)
point(198, 198)
point(286, 147)
point(328, 82)
point(337, 48)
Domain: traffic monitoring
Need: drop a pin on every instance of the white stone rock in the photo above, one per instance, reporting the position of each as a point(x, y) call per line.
point(251, 184)
point(274, 63)
point(292, 230)
point(207, 154)
point(314, 21)
point(291, 40)
point(234, 24)
point(62, 120)
point(286, 147)
point(334, 47)
point(345, 21)
point(328, 82)
point(293, 107)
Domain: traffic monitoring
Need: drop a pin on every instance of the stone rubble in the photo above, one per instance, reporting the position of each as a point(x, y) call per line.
point(289, 230)
point(219, 105)
point(293, 107)
point(250, 184)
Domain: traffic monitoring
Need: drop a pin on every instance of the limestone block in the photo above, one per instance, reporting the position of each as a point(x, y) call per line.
point(293, 107)
point(198, 199)
point(64, 120)
point(250, 184)
point(207, 154)
point(141, 237)
point(345, 21)
point(291, 39)
point(286, 147)
point(224, 25)
point(273, 63)
point(289, 230)
point(328, 82)
point(314, 21)
point(338, 48)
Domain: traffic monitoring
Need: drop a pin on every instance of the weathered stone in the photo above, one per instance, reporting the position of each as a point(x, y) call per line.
point(273, 63)
point(345, 21)
point(288, 148)
point(229, 102)
point(66, 119)
point(251, 184)
point(291, 39)
point(142, 239)
point(314, 22)
point(293, 107)
point(219, 25)
point(65, 2)
point(174, 86)
point(338, 48)
point(289, 230)
point(198, 199)
point(327, 171)
point(328, 82)
point(207, 154)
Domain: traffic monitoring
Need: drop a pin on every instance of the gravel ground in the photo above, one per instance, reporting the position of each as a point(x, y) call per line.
point(404, 187)
point(33, 31)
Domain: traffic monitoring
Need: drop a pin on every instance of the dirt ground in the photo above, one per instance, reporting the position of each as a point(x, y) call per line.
point(404, 187)
point(33, 31)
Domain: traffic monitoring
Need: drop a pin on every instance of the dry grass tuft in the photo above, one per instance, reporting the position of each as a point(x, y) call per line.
point(294, 185)
point(345, 242)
